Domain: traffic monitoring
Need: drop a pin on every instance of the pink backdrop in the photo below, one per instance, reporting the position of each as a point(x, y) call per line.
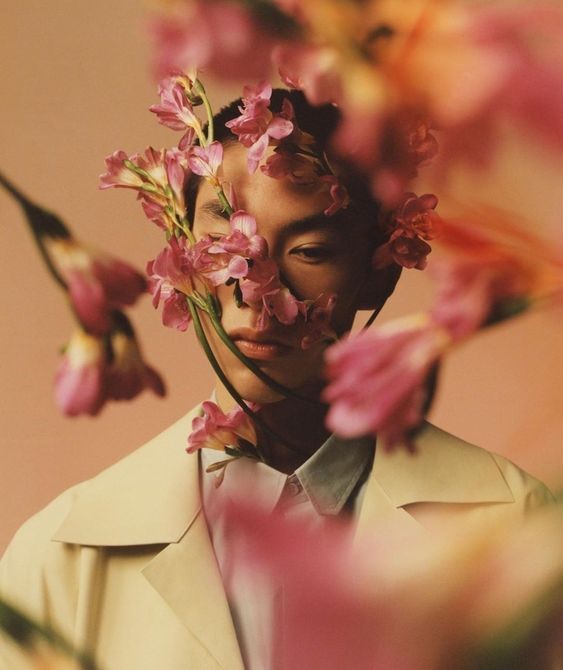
point(76, 86)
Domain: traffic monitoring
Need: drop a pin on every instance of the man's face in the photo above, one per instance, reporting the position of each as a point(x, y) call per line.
point(315, 255)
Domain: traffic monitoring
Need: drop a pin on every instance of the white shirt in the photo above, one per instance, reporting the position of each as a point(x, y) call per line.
point(330, 482)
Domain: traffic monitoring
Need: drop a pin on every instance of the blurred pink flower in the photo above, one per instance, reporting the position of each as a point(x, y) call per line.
point(285, 163)
point(127, 374)
point(219, 37)
point(376, 379)
point(205, 161)
point(80, 377)
point(310, 68)
point(256, 125)
point(405, 599)
point(487, 263)
point(217, 430)
point(97, 283)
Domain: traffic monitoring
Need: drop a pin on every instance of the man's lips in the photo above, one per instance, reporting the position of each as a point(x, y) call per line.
point(260, 345)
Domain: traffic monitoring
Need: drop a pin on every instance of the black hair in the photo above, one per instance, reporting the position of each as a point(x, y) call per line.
point(320, 122)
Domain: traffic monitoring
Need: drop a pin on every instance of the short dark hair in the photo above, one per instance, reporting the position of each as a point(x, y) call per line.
point(319, 121)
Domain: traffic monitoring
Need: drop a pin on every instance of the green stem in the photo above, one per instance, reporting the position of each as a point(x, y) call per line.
point(227, 384)
point(224, 200)
point(200, 90)
point(27, 632)
point(272, 383)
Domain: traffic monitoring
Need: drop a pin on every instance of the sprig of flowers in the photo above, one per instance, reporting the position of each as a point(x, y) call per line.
point(102, 360)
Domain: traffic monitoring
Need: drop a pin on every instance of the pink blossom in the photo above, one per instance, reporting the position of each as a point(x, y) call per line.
point(489, 261)
point(97, 283)
point(172, 276)
point(338, 193)
point(205, 161)
point(158, 176)
point(263, 291)
point(403, 248)
point(217, 430)
point(310, 68)
point(396, 597)
point(284, 163)
point(175, 110)
point(80, 378)
point(128, 374)
point(256, 125)
point(317, 323)
point(410, 224)
point(220, 37)
point(377, 378)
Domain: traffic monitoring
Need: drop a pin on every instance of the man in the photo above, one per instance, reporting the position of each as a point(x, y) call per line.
point(131, 565)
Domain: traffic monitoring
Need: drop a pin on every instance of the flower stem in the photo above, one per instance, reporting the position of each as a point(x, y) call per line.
point(272, 383)
point(227, 384)
point(200, 90)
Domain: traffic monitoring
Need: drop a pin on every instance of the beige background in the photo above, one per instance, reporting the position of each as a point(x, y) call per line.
point(75, 86)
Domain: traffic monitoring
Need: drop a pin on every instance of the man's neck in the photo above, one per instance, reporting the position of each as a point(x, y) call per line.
point(297, 430)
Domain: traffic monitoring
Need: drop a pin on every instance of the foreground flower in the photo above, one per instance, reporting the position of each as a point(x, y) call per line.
point(488, 597)
point(205, 161)
point(219, 37)
point(377, 379)
point(97, 283)
point(491, 268)
point(80, 378)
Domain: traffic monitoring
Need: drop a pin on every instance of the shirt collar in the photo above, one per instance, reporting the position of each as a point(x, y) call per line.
point(328, 477)
point(331, 474)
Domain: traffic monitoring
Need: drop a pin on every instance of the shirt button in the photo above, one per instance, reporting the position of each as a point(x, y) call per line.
point(293, 488)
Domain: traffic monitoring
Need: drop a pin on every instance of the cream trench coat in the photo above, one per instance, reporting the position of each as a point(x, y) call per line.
point(123, 565)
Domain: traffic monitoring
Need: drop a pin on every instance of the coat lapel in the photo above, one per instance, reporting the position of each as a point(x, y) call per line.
point(152, 497)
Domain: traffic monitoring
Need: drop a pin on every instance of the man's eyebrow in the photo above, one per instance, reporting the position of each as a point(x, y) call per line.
point(214, 208)
point(316, 221)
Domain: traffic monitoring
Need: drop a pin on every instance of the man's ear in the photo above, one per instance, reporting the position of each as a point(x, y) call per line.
point(378, 286)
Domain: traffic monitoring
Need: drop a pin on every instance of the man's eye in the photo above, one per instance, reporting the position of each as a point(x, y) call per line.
point(312, 254)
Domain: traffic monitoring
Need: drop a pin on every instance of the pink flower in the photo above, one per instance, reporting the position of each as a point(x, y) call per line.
point(256, 125)
point(263, 291)
point(219, 37)
point(338, 193)
point(310, 68)
point(172, 277)
point(411, 223)
point(403, 599)
point(217, 430)
point(128, 374)
point(97, 283)
point(159, 178)
point(80, 377)
point(205, 161)
point(317, 322)
point(175, 110)
point(283, 163)
point(377, 379)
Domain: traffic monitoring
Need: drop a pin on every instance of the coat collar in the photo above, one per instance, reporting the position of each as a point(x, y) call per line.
point(152, 496)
